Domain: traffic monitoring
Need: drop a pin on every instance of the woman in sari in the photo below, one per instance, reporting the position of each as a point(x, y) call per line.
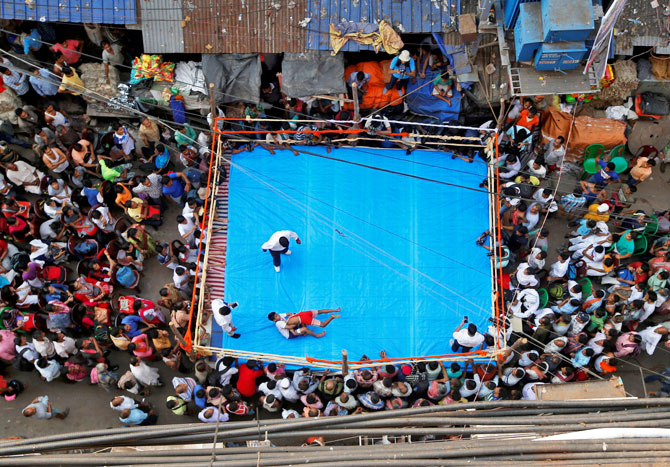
point(143, 241)
point(90, 291)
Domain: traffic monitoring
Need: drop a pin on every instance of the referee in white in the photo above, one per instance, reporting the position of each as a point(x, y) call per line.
point(278, 245)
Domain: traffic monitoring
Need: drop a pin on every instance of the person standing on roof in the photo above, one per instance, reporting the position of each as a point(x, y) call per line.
point(403, 68)
point(278, 245)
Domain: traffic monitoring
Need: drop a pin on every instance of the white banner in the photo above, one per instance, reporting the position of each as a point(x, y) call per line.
point(601, 45)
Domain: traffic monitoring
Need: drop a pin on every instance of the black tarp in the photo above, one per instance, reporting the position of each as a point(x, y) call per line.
point(236, 77)
point(311, 73)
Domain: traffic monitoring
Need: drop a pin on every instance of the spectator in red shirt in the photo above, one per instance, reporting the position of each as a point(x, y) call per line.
point(71, 50)
point(246, 381)
point(528, 119)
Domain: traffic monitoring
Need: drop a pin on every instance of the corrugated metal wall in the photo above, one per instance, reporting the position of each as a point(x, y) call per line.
point(161, 26)
point(244, 26)
point(70, 11)
point(406, 16)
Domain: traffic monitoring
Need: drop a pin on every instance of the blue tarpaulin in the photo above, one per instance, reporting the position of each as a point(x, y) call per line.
point(395, 252)
point(424, 103)
point(71, 11)
point(406, 16)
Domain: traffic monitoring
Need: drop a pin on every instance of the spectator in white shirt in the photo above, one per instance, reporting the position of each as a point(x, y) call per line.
point(511, 376)
point(225, 369)
point(271, 387)
point(288, 391)
point(122, 403)
point(466, 339)
point(653, 335)
point(48, 369)
point(212, 415)
point(525, 275)
point(278, 245)
point(181, 278)
point(186, 228)
point(64, 346)
point(43, 345)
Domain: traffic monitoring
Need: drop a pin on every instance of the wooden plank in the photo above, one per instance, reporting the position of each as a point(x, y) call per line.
point(592, 389)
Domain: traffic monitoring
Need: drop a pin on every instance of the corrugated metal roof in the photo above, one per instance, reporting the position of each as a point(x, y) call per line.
point(626, 45)
point(161, 26)
point(640, 24)
point(406, 16)
point(70, 11)
point(244, 26)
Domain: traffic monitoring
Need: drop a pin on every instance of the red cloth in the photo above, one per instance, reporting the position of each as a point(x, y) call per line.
point(246, 381)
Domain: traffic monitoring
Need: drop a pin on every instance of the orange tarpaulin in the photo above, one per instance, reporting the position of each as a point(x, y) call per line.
point(380, 74)
point(587, 130)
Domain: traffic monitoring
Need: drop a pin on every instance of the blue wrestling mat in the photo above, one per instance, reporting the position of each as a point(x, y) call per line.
point(396, 253)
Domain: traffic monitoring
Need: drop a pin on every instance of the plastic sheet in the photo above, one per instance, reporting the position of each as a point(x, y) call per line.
point(236, 76)
point(307, 74)
point(421, 101)
point(385, 305)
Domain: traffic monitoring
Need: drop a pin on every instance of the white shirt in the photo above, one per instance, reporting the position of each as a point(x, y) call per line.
point(58, 119)
point(289, 393)
point(288, 412)
point(650, 339)
point(541, 314)
point(527, 392)
point(66, 348)
point(45, 347)
point(539, 173)
point(51, 372)
point(525, 360)
point(263, 387)
point(559, 269)
point(525, 279)
point(466, 340)
point(105, 223)
point(181, 282)
point(532, 258)
point(575, 295)
point(226, 373)
point(635, 294)
point(593, 343)
point(528, 297)
point(273, 242)
point(509, 379)
point(648, 310)
point(222, 416)
point(127, 403)
point(551, 347)
point(226, 322)
point(281, 325)
point(187, 212)
point(46, 232)
point(186, 228)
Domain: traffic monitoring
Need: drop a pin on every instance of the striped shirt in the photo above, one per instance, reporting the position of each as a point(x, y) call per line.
point(44, 84)
point(571, 202)
point(17, 81)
